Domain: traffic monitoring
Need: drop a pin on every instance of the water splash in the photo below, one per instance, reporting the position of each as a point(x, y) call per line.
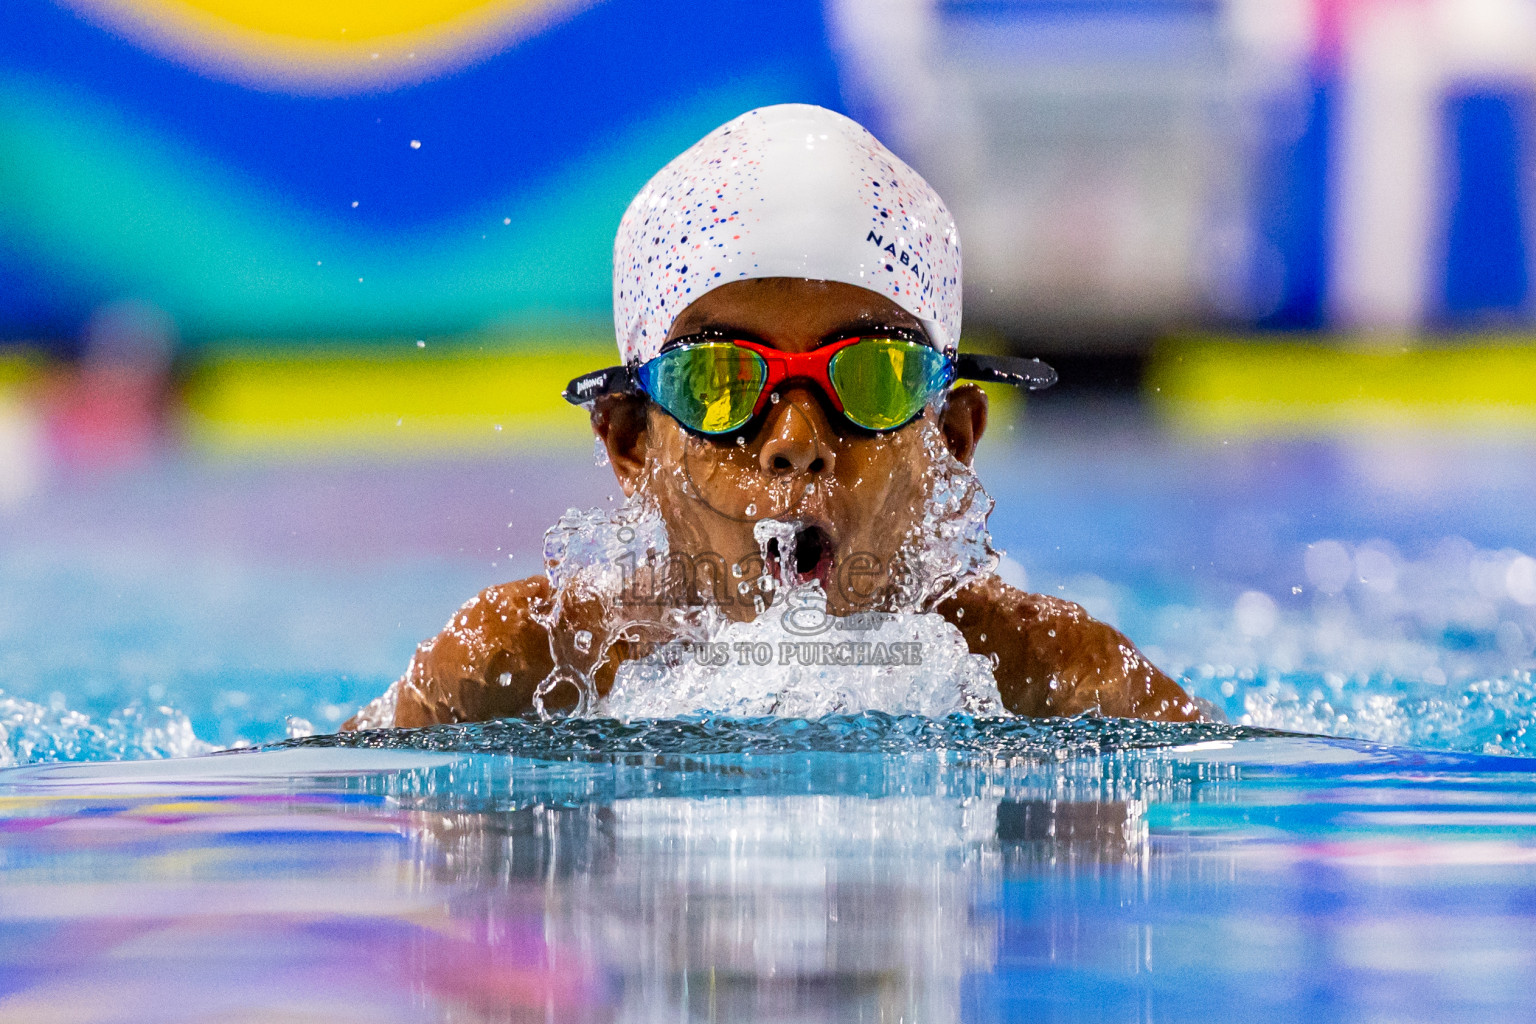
point(607, 571)
point(1431, 650)
point(872, 732)
point(31, 733)
point(1434, 650)
point(777, 546)
point(1490, 716)
point(950, 545)
point(796, 660)
point(612, 577)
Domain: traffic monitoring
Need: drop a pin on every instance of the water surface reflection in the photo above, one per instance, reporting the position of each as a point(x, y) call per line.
point(1218, 876)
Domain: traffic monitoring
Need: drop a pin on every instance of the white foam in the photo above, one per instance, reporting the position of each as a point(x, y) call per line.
point(796, 660)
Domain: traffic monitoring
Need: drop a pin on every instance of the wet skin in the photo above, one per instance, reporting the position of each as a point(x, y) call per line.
point(801, 461)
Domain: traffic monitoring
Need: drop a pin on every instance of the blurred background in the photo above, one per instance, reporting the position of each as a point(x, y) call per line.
point(288, 292)
point(230, 188)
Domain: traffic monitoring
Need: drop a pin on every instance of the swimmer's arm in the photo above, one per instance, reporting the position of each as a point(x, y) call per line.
point(483, 665)
point(1055, 659)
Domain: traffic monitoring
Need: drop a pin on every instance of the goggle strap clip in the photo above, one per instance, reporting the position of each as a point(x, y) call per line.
point(589, 387)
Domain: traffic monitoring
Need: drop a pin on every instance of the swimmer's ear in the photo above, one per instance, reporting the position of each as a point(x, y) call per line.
point(619, 421)
point(963, 421)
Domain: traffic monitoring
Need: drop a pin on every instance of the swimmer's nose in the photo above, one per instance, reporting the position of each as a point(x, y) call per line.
point(797, 435)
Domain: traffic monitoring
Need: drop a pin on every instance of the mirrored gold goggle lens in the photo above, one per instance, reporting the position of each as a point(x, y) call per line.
point(710, 387)
point(885, 382)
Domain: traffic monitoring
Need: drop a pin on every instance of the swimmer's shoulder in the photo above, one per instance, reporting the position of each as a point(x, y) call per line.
point(485, 663)
point(1032, 635)
point(1053, 658)
point(497, 618)
point(991, 602)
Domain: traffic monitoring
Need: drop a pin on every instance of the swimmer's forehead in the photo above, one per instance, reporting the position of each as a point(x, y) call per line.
point(793, 310)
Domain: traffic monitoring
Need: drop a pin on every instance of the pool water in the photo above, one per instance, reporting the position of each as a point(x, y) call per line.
point(1376, 586)
point(868, 868)
point(1377, 592)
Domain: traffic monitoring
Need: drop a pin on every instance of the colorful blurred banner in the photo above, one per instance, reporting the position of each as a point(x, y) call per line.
point(1121, 169)
point(287, 169)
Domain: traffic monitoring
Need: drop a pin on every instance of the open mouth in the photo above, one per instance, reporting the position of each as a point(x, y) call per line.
point(811, 556)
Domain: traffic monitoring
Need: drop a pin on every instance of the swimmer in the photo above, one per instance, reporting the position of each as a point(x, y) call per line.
point(787, 306)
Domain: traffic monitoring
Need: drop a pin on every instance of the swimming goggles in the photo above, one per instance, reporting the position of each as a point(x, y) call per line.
point(716, 386)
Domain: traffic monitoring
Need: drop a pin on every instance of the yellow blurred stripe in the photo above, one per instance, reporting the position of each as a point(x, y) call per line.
point(324, 46)
point(1267, 385)
point(403, 399)
point(18, 366)
point(339, 20)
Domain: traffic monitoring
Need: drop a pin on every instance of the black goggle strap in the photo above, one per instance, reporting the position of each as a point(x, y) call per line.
point(589, 387)
point(1028, 373)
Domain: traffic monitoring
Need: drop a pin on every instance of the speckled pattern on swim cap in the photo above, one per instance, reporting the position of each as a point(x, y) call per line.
point(783, 191)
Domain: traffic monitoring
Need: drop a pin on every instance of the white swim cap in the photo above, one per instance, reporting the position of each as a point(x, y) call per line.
point(784, 191)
